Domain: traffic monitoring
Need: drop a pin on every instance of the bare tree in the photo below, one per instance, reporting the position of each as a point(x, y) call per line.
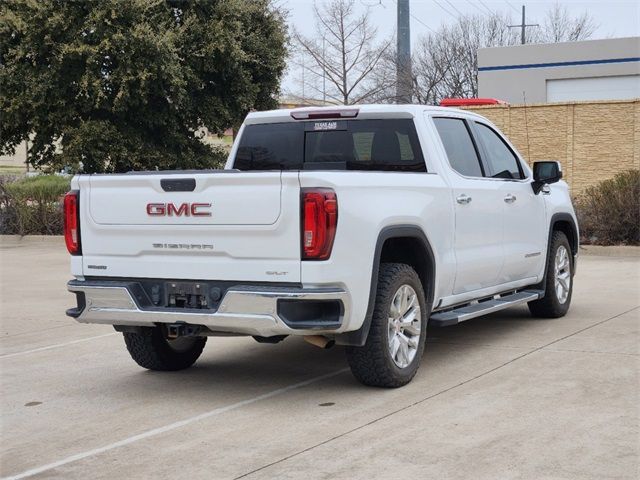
point(560, 26)
point(445, 63)
point(384, 77)
point(342, 54)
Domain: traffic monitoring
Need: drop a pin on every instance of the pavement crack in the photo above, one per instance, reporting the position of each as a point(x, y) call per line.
point(468, 344)
point(32, 332)
point(597, 352)
point(51, 347)
point(172, 426)
point(425, 399)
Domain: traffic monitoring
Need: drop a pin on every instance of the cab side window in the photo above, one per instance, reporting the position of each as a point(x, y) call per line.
point(459, 146)
point(502, 162)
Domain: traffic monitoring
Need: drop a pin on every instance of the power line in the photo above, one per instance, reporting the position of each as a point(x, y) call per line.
point(379, 4)
point(475, 5)
point(419, 21)
point(444, 9)
point(511, 5)
point(491, 12)
point(422, 23)
point(486, 10)
point(454, 7)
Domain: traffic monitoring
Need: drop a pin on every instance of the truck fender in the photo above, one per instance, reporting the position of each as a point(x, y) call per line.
point(574, 241)
point(359, 337)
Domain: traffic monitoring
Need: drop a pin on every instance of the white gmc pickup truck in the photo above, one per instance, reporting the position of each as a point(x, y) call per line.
point(356, 226)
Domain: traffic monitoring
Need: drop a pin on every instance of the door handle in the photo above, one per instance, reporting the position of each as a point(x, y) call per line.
point(463, 199)
point(510, 198)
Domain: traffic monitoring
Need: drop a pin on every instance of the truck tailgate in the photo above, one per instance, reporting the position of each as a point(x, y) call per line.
point(222, 225)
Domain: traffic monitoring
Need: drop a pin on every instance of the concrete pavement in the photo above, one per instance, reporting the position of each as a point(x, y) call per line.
point(501, 397)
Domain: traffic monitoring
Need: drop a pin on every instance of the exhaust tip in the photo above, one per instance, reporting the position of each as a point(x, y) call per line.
point(319, 341)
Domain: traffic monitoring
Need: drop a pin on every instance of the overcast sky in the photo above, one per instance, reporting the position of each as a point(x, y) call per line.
point(614, 18)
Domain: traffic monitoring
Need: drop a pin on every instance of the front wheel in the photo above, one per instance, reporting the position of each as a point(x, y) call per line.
point(152, 350)
point(558, 282)
point(393, 350)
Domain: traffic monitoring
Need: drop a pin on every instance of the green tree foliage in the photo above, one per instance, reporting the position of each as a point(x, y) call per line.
point(115, 85)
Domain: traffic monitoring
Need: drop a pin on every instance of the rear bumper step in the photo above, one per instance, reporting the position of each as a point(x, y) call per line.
point(467, 312)
point(252, 310)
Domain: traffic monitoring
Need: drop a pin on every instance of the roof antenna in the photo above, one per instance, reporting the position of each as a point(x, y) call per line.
point(526, 124)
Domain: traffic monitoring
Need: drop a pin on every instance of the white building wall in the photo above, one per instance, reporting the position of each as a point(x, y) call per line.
point(529, 72)
point(617, 87)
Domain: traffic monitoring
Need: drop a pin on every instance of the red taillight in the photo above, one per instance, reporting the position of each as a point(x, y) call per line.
point(72, 223)
point(319, 220)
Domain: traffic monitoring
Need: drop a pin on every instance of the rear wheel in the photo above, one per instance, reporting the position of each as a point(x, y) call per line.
point(393, 350)
point(558, 282)
point(152, 350)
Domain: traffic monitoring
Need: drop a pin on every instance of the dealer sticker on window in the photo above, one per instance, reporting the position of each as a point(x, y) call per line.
point(325, 125)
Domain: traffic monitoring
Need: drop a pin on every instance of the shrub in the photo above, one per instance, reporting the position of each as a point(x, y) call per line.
point(609, 213)
point(32, 205)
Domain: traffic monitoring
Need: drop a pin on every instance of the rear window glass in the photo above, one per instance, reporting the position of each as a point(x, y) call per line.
point(382, 145)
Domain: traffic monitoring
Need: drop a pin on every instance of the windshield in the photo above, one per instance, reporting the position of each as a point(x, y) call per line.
point(379, 145)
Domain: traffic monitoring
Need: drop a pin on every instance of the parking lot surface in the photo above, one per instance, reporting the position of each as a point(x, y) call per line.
point(501, 397)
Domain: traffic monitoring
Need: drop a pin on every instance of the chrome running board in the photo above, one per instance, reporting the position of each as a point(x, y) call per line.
point(478, 309)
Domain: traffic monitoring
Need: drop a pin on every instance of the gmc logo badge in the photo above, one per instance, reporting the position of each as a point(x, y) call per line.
point(183, 210)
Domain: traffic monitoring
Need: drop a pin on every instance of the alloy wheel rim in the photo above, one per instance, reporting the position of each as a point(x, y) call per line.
point(562, 274)
point(404, 326)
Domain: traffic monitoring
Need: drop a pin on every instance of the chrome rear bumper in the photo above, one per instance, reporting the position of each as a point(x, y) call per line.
point(250, 310)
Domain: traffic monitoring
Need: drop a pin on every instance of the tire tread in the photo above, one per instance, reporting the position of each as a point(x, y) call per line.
point(369, 363)
point(150, 350)
point(548, 306)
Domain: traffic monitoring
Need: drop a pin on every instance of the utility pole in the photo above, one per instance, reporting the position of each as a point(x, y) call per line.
point(523, 26)
point(403, 58)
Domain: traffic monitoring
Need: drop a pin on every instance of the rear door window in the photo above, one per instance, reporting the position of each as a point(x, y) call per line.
point(502, 162)
point(459, 146)
point(379, 145)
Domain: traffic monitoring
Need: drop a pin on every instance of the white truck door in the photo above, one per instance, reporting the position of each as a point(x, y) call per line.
point(523, 212)
point(478, 206)
point(525, 232)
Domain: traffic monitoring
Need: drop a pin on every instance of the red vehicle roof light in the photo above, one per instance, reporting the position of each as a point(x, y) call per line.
point(467, 102)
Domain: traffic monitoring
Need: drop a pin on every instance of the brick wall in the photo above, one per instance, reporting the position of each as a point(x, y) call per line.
point(592, 140)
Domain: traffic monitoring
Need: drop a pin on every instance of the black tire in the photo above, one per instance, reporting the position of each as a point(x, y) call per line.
point(550, 305)
point(372, 364)
point(151, 349)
